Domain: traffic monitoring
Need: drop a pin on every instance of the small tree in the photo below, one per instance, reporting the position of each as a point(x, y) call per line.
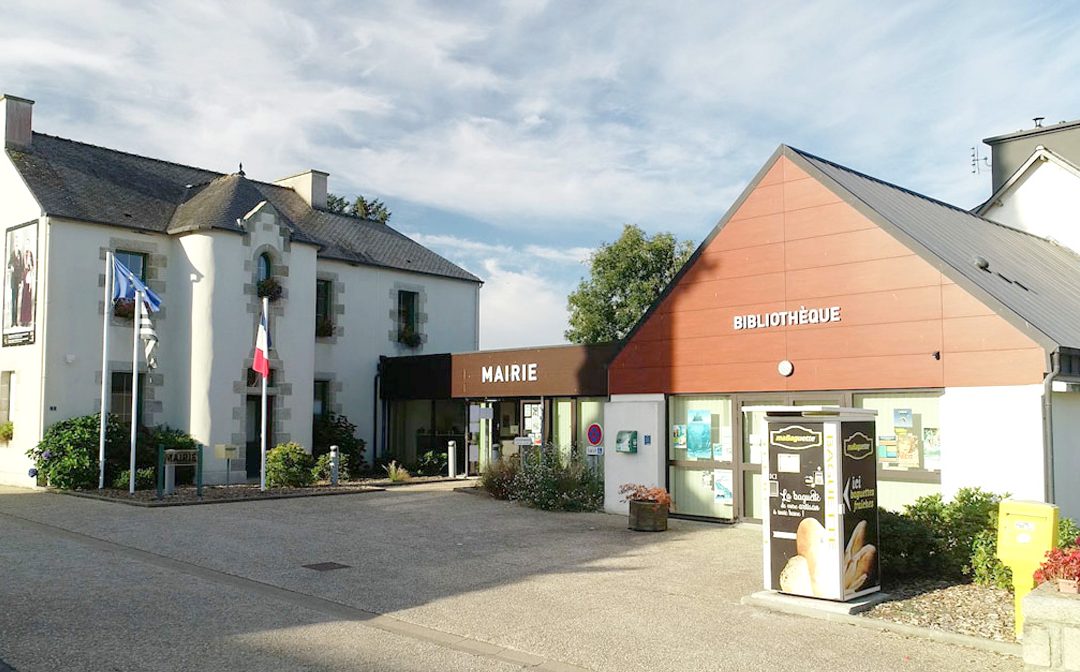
point(374, 209)
point(625, 277)
point(363, 208)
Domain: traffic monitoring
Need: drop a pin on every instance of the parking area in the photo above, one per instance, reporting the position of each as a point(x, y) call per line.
point(433, 579)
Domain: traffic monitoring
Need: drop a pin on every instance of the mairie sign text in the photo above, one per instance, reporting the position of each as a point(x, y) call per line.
point(509, 373)
point(788, 318)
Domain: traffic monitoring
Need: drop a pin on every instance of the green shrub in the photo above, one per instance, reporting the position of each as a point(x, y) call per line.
point(432, 463)
point(169, 438)
point(986, 569)
point(321, 470)
point(288, 466)
point(397, 473)
point(145, 479)
point(498, 478)
point(909, 548)
point(935, 539)
point(336, 430)
point(7, 430)
point(545, 481)
point(67, 456)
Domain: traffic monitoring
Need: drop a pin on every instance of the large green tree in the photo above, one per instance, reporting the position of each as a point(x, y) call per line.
point(363, 208)
point(625, 277)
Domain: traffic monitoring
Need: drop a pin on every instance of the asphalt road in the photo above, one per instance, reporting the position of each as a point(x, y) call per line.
point(434, 580)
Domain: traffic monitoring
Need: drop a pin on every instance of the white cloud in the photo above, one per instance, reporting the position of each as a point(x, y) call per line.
point(523, 300)
point(519, 308)
point(556, 122)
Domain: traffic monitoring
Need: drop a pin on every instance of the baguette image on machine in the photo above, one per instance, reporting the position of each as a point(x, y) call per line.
point(821, 528)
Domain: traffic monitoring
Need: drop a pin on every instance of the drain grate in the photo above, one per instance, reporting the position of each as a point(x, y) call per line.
point(325, 566)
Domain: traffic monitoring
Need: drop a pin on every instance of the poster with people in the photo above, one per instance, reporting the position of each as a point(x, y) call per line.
point(20, 284)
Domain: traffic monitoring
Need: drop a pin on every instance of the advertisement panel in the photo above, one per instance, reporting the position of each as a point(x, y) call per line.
point(20, 284)
point(860, 500)
point(802, 558)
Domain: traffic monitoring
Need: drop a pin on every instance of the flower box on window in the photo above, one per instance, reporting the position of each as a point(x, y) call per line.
point(269, 288)
point(324, 328)
point(410, 338)
point(124, 308)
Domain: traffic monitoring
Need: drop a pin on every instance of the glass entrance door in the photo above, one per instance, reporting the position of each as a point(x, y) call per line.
point(532, 421)
point(701, 463)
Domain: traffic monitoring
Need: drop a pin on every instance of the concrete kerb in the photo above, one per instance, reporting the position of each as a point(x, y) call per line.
point(153, 504)
point(1005, 648)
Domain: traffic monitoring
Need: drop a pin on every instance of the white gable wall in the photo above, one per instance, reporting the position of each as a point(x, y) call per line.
point(1044, 201)
point(18, 206)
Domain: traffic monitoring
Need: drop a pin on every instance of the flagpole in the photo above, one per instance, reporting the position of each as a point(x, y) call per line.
point(262, 451)
point(105, 367)
point(135, 389)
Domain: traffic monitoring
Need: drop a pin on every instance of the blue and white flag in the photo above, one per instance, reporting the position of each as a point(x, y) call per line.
point(126, 283)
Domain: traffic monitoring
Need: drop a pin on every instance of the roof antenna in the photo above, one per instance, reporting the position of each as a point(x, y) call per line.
point(1038, 121)
point(978, 162)
point(241, 173)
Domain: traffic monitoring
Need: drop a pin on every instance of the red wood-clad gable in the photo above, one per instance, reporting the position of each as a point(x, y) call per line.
point(793, 243)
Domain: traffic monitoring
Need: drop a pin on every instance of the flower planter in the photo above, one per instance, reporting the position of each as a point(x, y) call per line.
point(1068, 586)
point(647, 516)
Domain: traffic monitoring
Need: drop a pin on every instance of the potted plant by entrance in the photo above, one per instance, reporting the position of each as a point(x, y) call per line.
point(1062, 567)
point(648, 507)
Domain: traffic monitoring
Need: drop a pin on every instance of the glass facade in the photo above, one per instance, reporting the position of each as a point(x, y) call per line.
point(701, 461)
point(908, 443)
point(419, 426)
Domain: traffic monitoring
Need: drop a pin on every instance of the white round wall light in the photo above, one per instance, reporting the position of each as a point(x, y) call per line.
point(785, 368)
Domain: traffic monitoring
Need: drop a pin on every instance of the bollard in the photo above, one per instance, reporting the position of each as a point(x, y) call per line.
point(451, 458)
point(335, 464)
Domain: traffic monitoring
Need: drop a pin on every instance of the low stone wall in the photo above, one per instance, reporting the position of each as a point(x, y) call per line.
point(1051, 630)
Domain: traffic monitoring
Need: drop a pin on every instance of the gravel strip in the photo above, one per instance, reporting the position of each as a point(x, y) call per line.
point(962, 608)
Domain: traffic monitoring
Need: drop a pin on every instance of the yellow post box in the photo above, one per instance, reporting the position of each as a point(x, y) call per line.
point(1026, 531)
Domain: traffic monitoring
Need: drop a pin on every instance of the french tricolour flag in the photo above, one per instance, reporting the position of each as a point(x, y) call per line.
point(262, 349)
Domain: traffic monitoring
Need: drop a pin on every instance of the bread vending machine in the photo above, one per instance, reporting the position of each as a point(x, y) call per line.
point(821, 515)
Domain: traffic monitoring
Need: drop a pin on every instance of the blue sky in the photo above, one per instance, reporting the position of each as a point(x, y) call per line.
point(516, 137)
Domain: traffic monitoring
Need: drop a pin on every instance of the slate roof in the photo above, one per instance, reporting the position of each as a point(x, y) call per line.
point(1031, 281)
point(95, 184)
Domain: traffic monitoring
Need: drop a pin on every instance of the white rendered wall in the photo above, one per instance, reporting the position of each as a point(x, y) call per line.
point(1045, 201)
point(368, 329)
point(1066, 417)
point(991, 437)
point(17, 206)
point(645, 414)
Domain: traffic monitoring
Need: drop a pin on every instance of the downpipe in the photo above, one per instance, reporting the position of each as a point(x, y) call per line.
point(1048, 426)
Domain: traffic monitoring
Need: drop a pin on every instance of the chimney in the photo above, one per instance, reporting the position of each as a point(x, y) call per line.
point(15, 115)
point(310, 185)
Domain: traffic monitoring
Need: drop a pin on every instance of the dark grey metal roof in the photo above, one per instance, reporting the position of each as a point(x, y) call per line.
point(95, 184)
point(1031, 281)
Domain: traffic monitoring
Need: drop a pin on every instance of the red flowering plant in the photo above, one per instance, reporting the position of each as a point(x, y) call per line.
point(1060, 563)
point(633, 492)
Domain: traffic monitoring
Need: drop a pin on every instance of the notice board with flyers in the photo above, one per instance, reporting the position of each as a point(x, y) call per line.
point(821, 524)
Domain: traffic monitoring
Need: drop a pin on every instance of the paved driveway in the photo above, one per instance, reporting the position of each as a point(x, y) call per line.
point(436, 580)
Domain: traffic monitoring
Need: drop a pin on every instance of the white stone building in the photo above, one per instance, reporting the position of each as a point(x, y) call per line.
point(352, 290)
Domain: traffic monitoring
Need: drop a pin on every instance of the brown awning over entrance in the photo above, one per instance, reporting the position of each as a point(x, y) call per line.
point(559, 371)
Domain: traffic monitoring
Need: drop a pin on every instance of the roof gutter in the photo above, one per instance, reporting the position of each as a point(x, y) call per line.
point(1048, 426)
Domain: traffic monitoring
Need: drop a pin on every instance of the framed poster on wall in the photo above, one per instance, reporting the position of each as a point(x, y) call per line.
point(20, 284)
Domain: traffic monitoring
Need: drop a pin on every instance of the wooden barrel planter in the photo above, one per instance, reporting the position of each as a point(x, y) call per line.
point(647, 516)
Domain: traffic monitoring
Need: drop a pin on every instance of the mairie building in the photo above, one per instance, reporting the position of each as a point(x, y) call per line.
point(351, 291)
